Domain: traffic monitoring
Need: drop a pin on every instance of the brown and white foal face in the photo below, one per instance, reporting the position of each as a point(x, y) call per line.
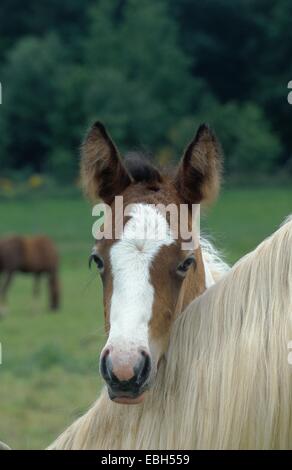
point(148, 279)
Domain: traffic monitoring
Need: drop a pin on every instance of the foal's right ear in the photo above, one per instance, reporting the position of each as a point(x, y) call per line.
point(102, 171)
point(198, 176)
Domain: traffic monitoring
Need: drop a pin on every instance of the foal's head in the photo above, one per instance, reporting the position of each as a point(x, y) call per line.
point(148, 280)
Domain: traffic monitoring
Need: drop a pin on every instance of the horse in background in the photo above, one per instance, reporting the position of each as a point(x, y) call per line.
point(226, 381)
point(36, 255)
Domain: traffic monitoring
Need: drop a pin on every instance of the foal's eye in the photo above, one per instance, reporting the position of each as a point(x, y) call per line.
point(94, 257)
point(185, 265)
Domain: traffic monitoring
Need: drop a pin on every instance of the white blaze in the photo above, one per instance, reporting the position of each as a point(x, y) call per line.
point(131, 258)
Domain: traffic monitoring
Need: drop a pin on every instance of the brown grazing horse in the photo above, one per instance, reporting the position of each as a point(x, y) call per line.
point(35, 255)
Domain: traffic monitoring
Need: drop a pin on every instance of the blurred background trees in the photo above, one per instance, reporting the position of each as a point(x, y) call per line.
point(151, 70)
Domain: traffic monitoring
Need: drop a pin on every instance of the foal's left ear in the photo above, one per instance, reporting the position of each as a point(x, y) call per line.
point(103, 173)
point(198, 176)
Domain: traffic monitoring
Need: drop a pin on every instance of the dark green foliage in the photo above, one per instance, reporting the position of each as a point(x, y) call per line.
point(29, 96)
point(151, 70)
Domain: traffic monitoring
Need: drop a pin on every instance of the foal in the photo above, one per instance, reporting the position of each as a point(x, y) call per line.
point(34, 255)
point(147, 281)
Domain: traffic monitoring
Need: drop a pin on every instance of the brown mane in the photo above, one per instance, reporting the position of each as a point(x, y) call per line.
point(142, 169)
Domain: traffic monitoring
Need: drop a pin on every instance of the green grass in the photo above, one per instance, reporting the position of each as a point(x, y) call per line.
point(49, 374)
point(242, 218)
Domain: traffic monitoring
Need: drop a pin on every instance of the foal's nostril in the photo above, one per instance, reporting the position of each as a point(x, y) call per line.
point(104, 366)
point(144, 368)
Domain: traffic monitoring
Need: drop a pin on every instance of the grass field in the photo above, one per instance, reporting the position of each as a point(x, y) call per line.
point(49, 374)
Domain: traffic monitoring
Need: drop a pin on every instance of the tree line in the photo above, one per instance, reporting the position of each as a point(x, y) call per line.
point(151, 70)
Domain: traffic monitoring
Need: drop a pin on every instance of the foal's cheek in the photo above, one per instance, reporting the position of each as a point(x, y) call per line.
point(160, 324)
point(107, 295)
point(163, 310)
point(159, 328)
point(106, 308)
point(106, 321)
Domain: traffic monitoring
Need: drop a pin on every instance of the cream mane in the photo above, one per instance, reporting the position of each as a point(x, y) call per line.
point(234, 389)
point(213, 259)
